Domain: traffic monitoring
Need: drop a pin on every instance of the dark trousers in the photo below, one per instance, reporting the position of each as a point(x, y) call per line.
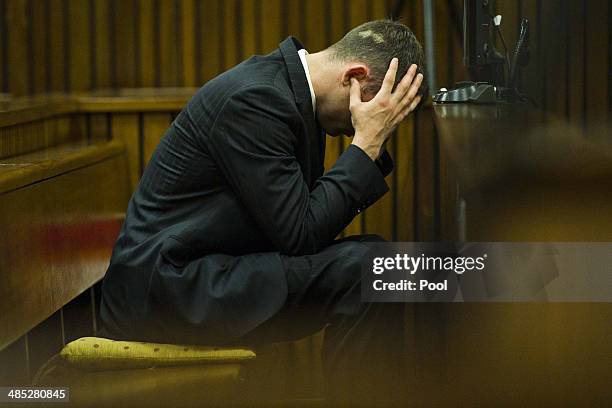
point(214, 297)
point(363, 349)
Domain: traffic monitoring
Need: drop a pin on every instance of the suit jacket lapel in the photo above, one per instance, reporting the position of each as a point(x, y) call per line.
point(315, 143)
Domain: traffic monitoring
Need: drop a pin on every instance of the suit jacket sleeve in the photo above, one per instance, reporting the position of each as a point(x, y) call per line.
point(253, 144)
point(385, 163)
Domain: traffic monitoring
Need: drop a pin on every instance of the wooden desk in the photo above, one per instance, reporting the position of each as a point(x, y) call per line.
point(508, 173)
point(511, 173)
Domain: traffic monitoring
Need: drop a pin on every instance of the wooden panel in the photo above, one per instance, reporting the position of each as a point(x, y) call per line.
point(403, 154)
point(249, 37)
point(188, 43)
point(168, 50)
point(230, 35)
point(379, 9)
point(425, 167)
point(57, 80)
point(414, 14)
point(102, 43)
point(18, 46)
point(340, 22)
point(293, 16)
point(57, 131)
point(126, 128)
point(38, 48)
point(146, 44)
point(57, 244)
point(79, 44)
point(358, 12)
point(124, 43)
point(99, 127)
point(22, 139)
point(78, 126)
point(270, 30)
point(597, 60)
point(555, 82)
point(209, 57)
point(576, 94)
point(315, 35)
point(35, 135)
point(443, 44)
point(3, 47)
point(154, 125)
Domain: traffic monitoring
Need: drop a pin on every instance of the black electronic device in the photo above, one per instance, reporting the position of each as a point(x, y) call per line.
point(494, 76)
point(468, 91)
point(480, 56)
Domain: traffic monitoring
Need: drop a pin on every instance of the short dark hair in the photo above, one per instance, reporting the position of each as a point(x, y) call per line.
point(375, 43)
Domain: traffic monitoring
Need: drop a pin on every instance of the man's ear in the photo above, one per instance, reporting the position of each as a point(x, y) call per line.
point(358, 71)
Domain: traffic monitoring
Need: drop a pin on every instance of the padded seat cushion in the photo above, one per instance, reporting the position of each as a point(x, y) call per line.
point(97, 353)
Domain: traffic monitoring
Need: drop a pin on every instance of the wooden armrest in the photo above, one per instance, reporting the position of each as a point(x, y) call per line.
point(20, 171)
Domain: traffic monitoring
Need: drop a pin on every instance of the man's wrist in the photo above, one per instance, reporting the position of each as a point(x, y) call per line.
point(372, 150)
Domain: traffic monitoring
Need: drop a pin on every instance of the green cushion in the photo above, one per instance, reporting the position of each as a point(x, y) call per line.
point(96, 353)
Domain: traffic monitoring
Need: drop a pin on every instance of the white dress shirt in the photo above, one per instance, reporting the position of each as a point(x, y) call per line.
point(302, 53)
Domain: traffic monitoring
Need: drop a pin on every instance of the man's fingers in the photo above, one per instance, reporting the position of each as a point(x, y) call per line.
point(404, 113)
point(404, 85)
point(413, 105)
point(355, 93)
point(389, 80)
point(412, 92)
point(416, 85)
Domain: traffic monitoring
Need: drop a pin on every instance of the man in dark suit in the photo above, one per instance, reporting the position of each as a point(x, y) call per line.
point(229, 236)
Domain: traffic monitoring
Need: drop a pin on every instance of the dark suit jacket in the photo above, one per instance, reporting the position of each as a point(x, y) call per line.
point(239, 171)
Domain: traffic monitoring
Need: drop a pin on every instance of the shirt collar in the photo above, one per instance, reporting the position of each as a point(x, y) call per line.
point(302, 53)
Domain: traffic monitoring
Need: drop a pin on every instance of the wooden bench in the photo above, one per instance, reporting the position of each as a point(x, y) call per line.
point(67, 169)
point(62, 209)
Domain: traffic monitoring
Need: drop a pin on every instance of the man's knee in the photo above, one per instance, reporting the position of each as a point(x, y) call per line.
point(333, 273)
point(348, 263)
point(351, 254)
